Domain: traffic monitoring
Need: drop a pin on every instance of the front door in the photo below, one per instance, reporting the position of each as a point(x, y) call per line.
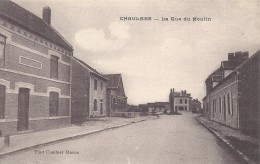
point(23, 109)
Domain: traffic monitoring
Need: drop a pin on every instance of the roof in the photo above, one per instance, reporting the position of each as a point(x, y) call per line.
point(90, 68)
point(228, 64)
point(217, 78)
point(248, 61)
point(114, 80)
point(28, 20)
point(217, 72)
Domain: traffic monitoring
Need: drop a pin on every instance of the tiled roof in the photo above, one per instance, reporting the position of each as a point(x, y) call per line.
point(113, 80)
point(23, 17)
point(90, 68)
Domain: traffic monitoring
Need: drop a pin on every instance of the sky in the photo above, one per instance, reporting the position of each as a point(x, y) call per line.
point(155, 56)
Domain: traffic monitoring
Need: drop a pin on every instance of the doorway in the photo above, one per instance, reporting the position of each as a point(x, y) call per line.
point(23, 109)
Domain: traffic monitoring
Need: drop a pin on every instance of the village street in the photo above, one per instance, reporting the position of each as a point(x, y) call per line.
point(169, 139)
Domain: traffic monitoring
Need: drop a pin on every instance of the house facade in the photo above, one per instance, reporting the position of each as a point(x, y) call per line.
point(179, 101)
point(116, 98)
point(234, 100)
point(35, 65)
point(88, 91)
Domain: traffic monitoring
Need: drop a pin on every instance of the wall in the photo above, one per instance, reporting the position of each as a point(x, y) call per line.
point(220, 115)
point(98, 95)
point(79, 91)
point(27, 64)
point(249, 97)
point(178, 104)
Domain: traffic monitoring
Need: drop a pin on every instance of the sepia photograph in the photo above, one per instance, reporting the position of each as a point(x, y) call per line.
point(129, 82)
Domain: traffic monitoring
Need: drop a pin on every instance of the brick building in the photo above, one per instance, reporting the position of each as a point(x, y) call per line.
point(116, 98)
point(34, 71)
point(234, 99)
point(88, 91)
point(179, 101)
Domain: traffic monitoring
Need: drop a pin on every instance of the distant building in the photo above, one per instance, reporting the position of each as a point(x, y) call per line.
point(158, 107)
point(116, 98)
point(179, 101)
point(234, 100)
point(195, 106)
point(88, 91)
point(35, 64)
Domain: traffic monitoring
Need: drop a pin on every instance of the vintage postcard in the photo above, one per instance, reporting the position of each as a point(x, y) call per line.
point(135, 82)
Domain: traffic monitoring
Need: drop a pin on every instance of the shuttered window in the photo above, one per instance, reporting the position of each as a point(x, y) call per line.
point(54, 104)
point(2, 101)
point(54, 67)
point(2, 50)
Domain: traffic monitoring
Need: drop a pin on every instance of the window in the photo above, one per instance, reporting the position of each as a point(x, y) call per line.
point(101, 85)
point(181, 101)
point(224, 104)
point(220, 106)
point(95, 105)
point(229, 104)
point(95, 84)
point(54, 104)
point(101, 106)
point(2, 50)
point(114, 101)
point(2, 101)
point(185, 101)
point(214, 106)
point(54, 66)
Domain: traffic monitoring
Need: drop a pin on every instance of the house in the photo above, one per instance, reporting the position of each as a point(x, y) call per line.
point(88, 91)
point(179, 101)
point(234, 101)
point(35, 64)
point(116, 98)
point(195, 105)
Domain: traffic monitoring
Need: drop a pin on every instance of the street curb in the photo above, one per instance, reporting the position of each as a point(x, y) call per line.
point(67, 138)
point(216, 134)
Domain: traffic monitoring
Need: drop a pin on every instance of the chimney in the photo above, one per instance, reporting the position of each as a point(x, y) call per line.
point(245, 55)
point(231, 56)
point(172, 89)
point(184, 91)
point(46, 15)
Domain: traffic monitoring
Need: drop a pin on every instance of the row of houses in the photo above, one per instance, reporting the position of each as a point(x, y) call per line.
point(42, 84)
point(232, 93)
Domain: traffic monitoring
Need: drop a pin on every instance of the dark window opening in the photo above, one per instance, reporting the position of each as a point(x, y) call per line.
point(54, 104)
point(95, 84)
point(2, 101)
point(95, 105)
point(54, 66)
point(2, 50)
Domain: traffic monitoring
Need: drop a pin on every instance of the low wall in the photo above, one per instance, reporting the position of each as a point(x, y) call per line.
point(126, 114)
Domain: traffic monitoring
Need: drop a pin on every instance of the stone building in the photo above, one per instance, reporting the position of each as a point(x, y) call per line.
point(35, 64)
point(116, 98)
point(179, 101)
point(88, 91)
point(234, 100)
